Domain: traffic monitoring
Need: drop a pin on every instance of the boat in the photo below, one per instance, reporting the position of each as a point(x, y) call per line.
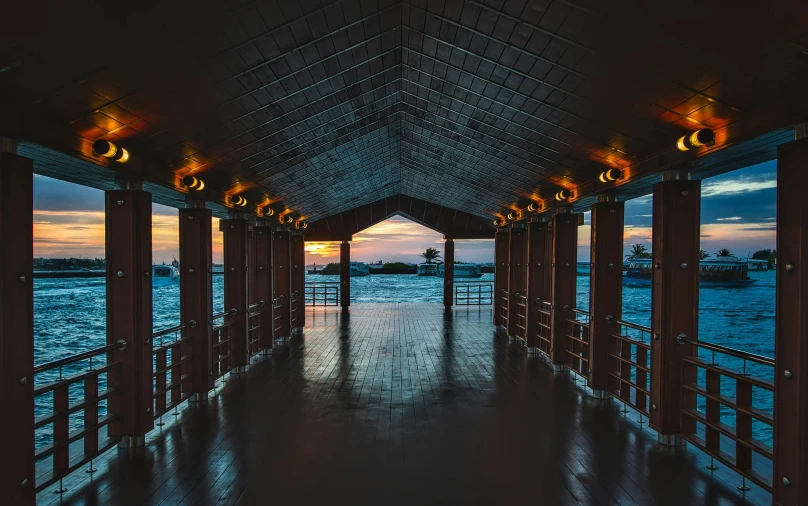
point(427, 269)
point(164, 274)
point(718, 272)
point(463, 271)
point(359, 269)
point(757, 265)
point(583, 269)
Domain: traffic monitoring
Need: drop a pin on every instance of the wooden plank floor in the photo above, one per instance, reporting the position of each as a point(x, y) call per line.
point(402, 404)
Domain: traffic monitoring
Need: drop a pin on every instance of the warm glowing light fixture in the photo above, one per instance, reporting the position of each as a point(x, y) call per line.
point(532, 207)
point(301, 225)
point(610, 175)
point(193, 183)
point(562, 195)
point(695, 140)
point(238, 200)
point(111, 151)
point(498, 222)
point(268, 211)
point(285, 220)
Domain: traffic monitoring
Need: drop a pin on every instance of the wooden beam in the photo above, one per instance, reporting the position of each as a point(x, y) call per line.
point(501, 245)
point(236, 289)
point(262, 279)
point(564, 283)
point(539, 260)
point(282, 283)
point(345, 273)
point(517, 246)
point(448, 273)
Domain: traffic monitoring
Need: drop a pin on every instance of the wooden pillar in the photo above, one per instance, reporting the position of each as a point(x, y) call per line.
point(539, 259)
point(605, 286)
point(298, 278)
point(262, 281)
point(674, 297)
point(17, 329)
point(517, 283)
point(501, 246)
point(129, 309)
point(791, 328)
point(448, 272)
point(564, 282)
point(196, 292)
point(282, 283)
point(236, 289)
point(345, 273)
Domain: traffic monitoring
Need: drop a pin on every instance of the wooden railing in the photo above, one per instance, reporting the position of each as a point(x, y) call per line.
point(222, 346)
point(277, 316)
point(720, 421)
point(321, 293)
point(256, 330)
point(503, 308)
point(474, 293)
point(577, 341)
point(543, 328)
point(630, 364)
point(94, 395)
point(294, 309)
point(171, 372)
point(521, 316)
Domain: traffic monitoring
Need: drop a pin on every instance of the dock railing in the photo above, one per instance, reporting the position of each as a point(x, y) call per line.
point(520, 322)
point(630, 365)
point(294, 309)
point(503, 300)
point(277, 316)
point(728, 410)
point(221, 343)
point(171, 371)
point(256, 330)
point(83, 402)
point(577, 340)
point(543, 328)
point(321, 293)
point(473, 293)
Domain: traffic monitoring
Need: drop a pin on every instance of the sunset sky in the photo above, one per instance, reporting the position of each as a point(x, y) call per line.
point(738, 213)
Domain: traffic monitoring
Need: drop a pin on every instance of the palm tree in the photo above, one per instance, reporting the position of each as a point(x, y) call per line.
point(724, 253)
point(430, 254)
point(703, 255)
point(638, 251)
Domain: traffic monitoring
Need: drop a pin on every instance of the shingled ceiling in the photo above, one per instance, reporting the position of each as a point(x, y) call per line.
point(322, 107)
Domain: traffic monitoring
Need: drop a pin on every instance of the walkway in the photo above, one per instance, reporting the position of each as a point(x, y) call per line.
point(402, 404)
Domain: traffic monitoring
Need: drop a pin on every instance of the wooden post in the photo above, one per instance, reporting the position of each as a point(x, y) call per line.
point(674, 297)
point(564, 281)
point(501, 245)
point(539, 243)
point(448, 272)
point(790, 481)
point(282, 282)
point(262, 272)
point(298, 278)
point(236, 289)
point(196, 292)
point(129, 309)
point(17, 329)
point(605, 286)
point(517, 285)
point(345, 273)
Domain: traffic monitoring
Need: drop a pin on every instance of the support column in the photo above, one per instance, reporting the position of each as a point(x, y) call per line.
point(448, 272)
point(791, 327)
point(235, 290)
point(539, 251)
point(196, 292)
point(282, 283)
point(564, 281)
point(516, 279)
point(674, 297)
point(298, 279)
point(17, 329)
point(129, 309)
point(605, 287)
point(345, 273)
point(501, 245)
point(262, 273)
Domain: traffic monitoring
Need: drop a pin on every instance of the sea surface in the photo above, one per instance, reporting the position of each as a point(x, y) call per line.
point(69, 318)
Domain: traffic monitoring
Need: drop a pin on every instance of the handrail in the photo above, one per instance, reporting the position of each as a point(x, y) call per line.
point(222, 315)
point(120, 345)
point(159, 333)
point(576, 311)
point(312, 283)
point(752, 357)
point(612, 319)
point(257, 305)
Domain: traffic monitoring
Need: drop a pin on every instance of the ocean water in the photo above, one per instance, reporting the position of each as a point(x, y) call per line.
point(69, 317)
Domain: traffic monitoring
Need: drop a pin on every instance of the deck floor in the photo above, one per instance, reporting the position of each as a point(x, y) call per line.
point(402, 404)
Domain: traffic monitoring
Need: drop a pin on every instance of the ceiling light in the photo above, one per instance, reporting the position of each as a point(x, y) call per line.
point(532, 207)
point(111, 151)
point(193, 183)
point(238, 200)
point(562, 195)
point(610, 175)
point(695, 140)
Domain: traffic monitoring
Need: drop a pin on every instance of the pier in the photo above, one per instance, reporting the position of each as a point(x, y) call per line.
point(313, 121)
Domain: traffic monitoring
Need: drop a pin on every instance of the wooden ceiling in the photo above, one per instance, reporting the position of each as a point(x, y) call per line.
point(319, 107)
